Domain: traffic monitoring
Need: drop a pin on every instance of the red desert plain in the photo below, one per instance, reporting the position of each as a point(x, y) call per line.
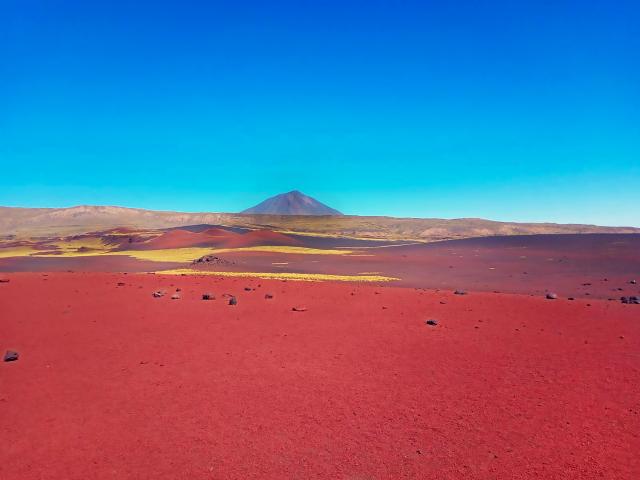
point(197, 352)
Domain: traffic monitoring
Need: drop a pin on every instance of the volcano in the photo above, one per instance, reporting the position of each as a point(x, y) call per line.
point(291, 203)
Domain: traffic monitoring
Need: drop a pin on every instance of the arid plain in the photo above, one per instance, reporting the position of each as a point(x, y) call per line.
point(316, 347)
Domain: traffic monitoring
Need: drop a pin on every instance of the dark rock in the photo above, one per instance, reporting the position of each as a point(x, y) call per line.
point(551, 296)
point(632, 282)
point(212, 259)
point(247, 289)
point(268, 296)
point(432, 322)
point(4, 280)
point(233, 301)
point(299, 309)
point(460, 292)
point(208, 296)
point(158, 294)
point(175, 296)
point(121, 284)
point(571, 298)
point(634, 300)
point(11, 356)
point(624, 299)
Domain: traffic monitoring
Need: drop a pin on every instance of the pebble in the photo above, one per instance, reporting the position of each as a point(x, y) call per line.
point(11, 356)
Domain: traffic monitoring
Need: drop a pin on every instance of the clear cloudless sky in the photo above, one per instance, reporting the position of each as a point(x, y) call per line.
point(508, 110)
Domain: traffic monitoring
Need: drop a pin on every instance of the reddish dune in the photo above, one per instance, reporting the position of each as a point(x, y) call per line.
point(254, 238)
point(217, 232)
point(173, 239)
point(215, 238)
point(113, 383)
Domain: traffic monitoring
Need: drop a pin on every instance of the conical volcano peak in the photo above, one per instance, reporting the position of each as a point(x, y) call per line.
point(292, 203)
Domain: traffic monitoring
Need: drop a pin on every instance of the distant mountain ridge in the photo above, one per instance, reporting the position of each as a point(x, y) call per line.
point(29, 222)
point(291, 203)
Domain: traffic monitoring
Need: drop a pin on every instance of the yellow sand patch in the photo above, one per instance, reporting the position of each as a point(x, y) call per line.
point(69, 248)
point(190, 254)
point(305, 277)
point(9, 252)
point(97, 247)
point(54, 251)
point(166, 255)
point(330, 235)
point(286, 249)
point(386, 246)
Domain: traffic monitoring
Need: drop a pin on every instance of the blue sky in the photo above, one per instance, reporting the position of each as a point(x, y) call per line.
point(518, 111)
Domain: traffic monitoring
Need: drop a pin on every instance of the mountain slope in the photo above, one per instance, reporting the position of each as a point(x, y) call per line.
point(291, 203)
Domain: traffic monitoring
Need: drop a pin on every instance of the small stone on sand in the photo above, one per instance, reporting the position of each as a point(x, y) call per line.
point(11, 356)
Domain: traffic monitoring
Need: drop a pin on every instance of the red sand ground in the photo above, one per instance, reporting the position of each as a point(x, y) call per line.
point(112, 383)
